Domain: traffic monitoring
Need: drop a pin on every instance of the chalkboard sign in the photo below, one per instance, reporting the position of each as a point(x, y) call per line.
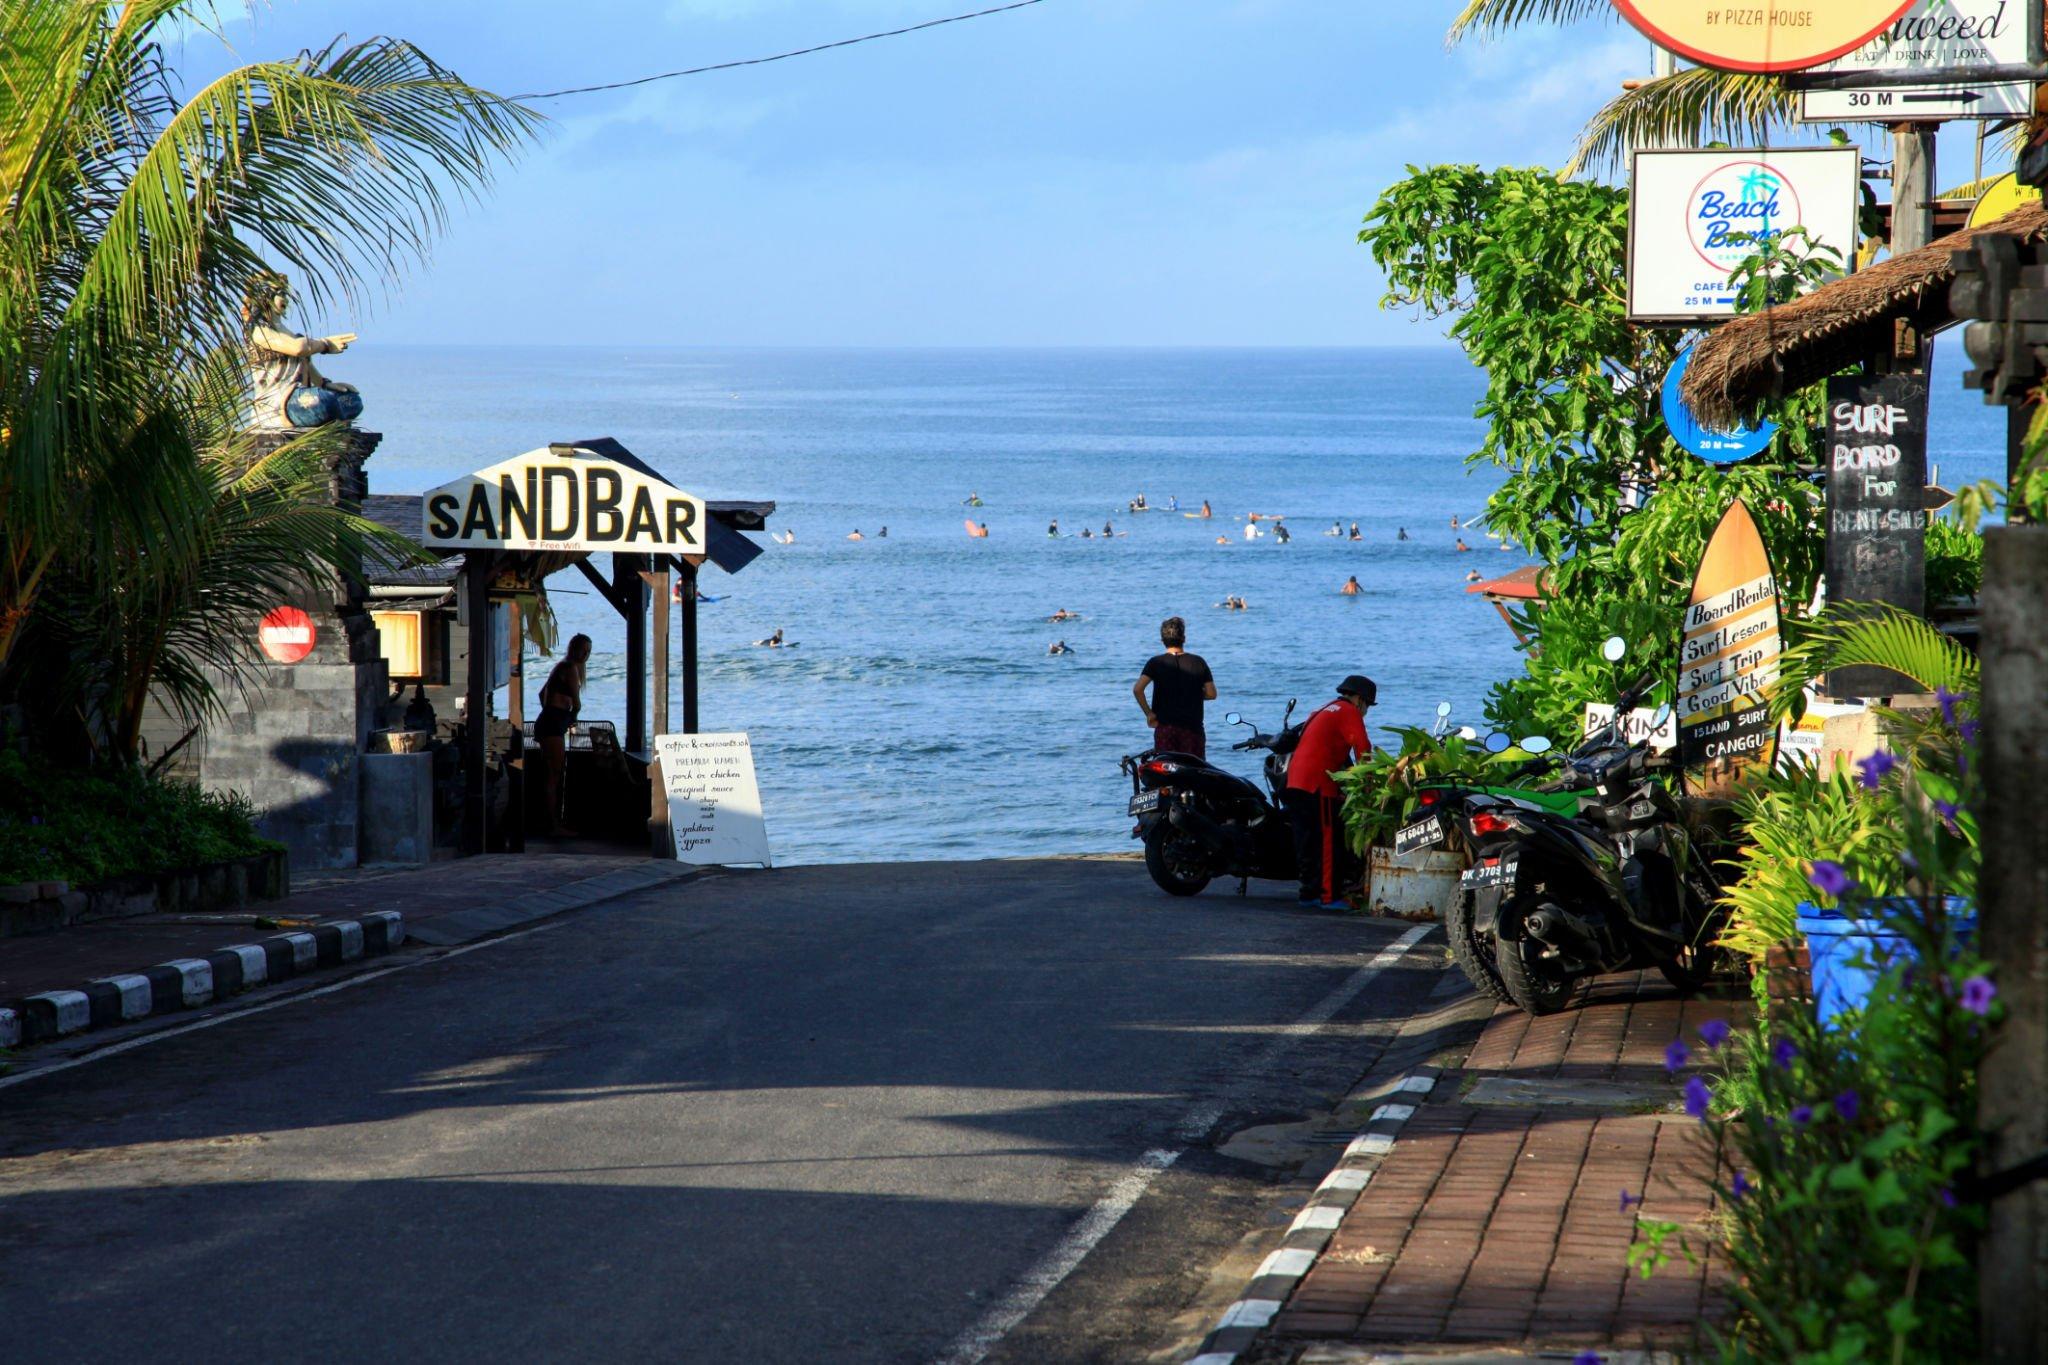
point(1877, 514)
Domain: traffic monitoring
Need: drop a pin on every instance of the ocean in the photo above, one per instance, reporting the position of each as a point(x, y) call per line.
point(919, 715)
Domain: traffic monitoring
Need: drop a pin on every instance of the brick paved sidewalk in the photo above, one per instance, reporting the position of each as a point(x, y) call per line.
point(67, 958)
point(1497, 1221)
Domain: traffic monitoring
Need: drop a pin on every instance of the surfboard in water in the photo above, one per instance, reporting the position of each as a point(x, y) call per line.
point(1728, 658)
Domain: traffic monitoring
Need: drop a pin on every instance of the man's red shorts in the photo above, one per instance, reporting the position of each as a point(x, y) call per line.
point(1179, 739)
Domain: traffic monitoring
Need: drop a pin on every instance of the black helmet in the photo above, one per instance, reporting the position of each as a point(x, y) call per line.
point(1361, 687)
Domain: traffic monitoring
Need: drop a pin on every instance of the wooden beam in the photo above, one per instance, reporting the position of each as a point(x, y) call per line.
point(515, 712)
point(477, 567)
point(632, 592)
point(659, 842)
point(605, 589)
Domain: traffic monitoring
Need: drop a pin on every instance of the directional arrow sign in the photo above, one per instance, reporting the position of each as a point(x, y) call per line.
point(1956, 35)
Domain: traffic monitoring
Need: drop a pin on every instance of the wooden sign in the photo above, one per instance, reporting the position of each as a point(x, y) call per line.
point(1877, 506)
point(1762, 35)
point(562, 498)
point(1728, 658)
point(714, 804)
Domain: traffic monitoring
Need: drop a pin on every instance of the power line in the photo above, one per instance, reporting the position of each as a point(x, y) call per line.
point(783, 56)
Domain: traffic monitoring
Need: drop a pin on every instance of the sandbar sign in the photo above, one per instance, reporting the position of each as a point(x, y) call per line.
point(1765, 35)
point(714, 804)
point(1728, 658)
point(562, 498)
point(287, 634)
point(1693, 216)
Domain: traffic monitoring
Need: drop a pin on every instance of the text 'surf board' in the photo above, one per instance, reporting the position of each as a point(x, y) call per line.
point(714, 804)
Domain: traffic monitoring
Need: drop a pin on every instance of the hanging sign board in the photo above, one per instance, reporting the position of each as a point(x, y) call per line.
point(1709, 443)
point(1953, 35)
point(1877, 506)
point(1693, 216)
point(562, 498)
point(714, 804)
point(286, 634)
point(1728, 658)
point(1762, 35)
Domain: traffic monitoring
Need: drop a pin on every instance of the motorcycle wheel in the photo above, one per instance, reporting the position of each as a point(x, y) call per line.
point(1529, 983)
point(1172, 857)
point(1474, 959)
point(1690, 969)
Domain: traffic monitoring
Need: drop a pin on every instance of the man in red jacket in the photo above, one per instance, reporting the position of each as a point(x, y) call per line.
point(1333, 738)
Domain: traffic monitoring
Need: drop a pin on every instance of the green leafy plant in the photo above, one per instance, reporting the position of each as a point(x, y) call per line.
point(1380, 792)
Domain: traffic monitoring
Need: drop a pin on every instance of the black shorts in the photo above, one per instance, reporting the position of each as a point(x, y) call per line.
point(554, 722)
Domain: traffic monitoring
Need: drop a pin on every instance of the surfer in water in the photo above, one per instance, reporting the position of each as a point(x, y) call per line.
point(1351, 587)
point(772, 642)
point(856, 535)
point(1402, 536)
point(1462, 546)
point(1059, 647)
point(1064, 615)
point(1205, 509)
point(1354, 532)
point(1054, 529)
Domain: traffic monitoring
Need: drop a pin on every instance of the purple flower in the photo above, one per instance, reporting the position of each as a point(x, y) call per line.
point(1588, 1358)
point(1947, 810)
point(1948, 701)
point(1696, 1098)
point(1803, 1115)
point(1978, 993)
point(1875, 767)
point(1906, 857)
point(1675, 1055)
point(1968, 730)
point(1714, 1032)
point(1948, 1197)
point(1782, 1053)
point(1829, 878)
point(1739, 1188)
point(1628, 1199)
point(1848, 1105)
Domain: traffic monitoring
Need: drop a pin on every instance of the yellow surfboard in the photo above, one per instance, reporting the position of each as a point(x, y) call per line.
point(2005, 194)
point(1728, 658)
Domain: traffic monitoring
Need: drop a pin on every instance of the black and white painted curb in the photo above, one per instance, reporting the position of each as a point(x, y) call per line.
point(1394, 1104)
point(189, 982)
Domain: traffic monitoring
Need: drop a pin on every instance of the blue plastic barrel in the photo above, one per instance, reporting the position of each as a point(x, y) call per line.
point(1849, 955)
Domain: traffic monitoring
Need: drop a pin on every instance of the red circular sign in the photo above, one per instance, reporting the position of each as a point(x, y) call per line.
point(287, 634)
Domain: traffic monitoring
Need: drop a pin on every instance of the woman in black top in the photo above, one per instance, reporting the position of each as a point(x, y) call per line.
point(560, 700)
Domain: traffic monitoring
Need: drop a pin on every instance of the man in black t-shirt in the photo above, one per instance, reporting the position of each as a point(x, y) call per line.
point(1180, 683)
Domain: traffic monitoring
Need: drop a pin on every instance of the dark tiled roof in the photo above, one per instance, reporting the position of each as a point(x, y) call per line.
point(400, 512)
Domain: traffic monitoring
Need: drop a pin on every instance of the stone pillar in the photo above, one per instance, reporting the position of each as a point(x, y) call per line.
point(293, 738)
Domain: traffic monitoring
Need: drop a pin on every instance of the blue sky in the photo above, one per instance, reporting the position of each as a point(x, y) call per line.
point(1096, 172)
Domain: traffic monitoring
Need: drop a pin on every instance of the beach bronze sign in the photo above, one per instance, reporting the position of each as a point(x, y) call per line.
point(1728, 659)
point(1762, 35)
point(562, 498)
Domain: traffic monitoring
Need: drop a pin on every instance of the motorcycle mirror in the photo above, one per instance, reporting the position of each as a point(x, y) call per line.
point(1443, 708)
point(1497, 743)
point(1534, 744)
point(1662, 714)
point(1467, 732)
point(1613, 648)
point(1232, 718)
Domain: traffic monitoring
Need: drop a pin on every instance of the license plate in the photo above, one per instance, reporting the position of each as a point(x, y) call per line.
point(1144, 803)
point(1481, 874)
point(1418, 836)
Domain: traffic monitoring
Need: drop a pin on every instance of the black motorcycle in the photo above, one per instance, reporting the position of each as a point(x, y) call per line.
point(1200, 822)
point(1553, 899)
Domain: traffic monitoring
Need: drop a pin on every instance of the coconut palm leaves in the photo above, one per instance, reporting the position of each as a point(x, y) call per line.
point(1877, 636)
point(129, 219)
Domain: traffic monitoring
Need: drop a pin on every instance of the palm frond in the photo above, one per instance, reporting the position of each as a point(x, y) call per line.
point(1877, 636)
point(1484, 18)
point(1687, 108)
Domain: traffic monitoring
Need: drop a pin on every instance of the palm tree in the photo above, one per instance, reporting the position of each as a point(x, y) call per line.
point(129, 220)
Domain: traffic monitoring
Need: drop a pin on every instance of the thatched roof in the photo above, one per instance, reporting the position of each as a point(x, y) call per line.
point(1744, 364)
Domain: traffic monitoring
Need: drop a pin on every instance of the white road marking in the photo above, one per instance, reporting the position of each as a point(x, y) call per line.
point(1053, 1267)
point(233, 1014)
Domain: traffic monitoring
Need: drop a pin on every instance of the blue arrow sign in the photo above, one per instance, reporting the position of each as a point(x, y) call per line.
point(1710, 444)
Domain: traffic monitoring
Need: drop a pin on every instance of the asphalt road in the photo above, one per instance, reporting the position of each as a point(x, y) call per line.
point(830, 1113)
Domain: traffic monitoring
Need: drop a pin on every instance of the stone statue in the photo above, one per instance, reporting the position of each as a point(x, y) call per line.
point(287, 391)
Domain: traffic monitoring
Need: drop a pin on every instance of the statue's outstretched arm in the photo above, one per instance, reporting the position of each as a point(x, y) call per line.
point(286, 343)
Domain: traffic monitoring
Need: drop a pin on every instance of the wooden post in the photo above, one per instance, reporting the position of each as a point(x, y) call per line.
point(632, 592)
point(689, 582)
point(515, 712)
point(477, 566)
point(660, 844)
point(515, 664)
point(1912, 186)
point(2012, 1258)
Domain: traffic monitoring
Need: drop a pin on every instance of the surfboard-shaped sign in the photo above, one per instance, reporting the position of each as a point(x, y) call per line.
point(1728, 658)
